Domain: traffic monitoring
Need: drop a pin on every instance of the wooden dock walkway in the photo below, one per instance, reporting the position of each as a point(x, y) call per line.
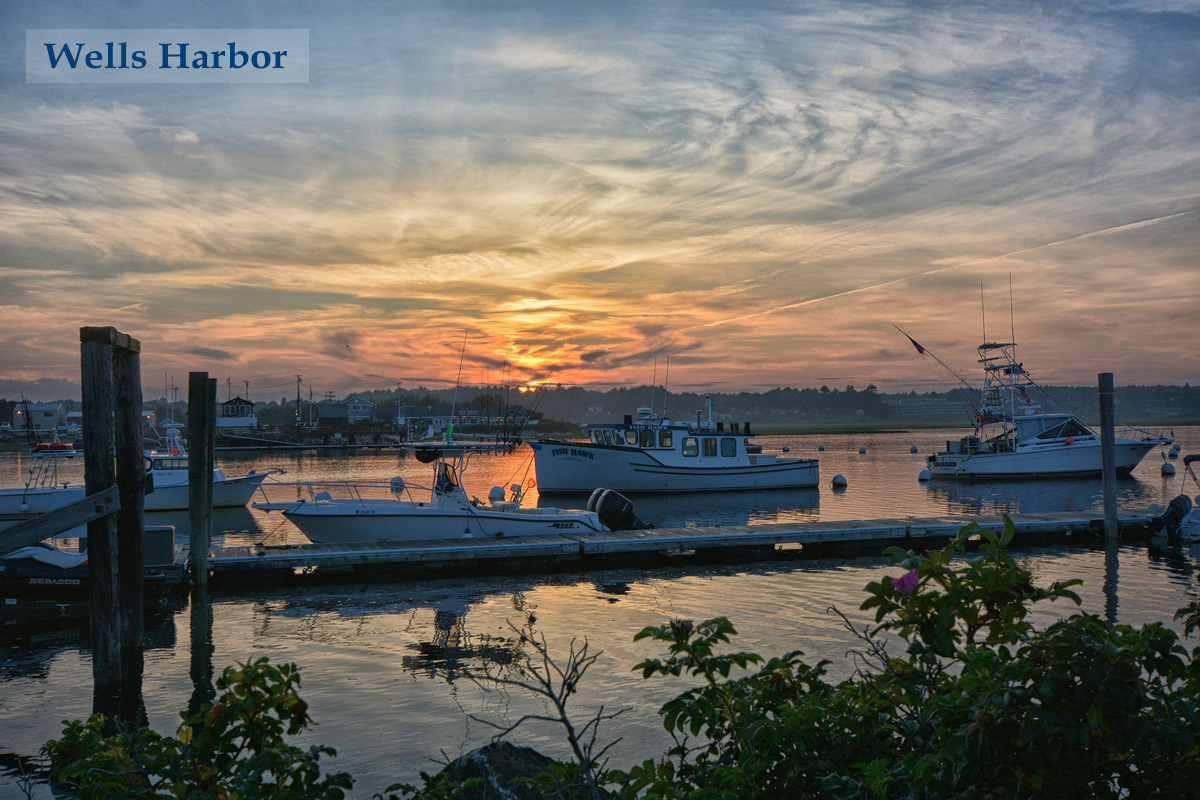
point(248, 566)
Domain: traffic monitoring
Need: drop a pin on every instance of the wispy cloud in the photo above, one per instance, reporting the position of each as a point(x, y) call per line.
point(757, 192)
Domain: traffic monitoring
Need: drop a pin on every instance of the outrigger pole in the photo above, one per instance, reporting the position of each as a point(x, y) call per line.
point(944, 366)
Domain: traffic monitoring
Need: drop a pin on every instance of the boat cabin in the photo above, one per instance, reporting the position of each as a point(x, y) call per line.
point(1049, 428)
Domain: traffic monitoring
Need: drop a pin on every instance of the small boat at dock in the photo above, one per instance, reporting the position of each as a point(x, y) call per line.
point(442, 510)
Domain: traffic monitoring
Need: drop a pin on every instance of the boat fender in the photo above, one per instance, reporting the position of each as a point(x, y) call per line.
point(1169, 520)
point(616, 512)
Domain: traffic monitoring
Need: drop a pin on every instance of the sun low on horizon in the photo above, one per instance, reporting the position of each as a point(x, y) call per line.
point(720, 197)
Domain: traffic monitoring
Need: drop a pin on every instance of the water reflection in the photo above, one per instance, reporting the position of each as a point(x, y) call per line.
point(713, 508)
point(1035, 496)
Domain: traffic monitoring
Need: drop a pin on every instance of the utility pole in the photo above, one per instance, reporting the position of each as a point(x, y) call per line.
point(297, 401)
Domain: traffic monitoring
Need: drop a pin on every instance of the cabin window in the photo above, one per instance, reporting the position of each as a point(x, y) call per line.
point(608, 437)
point(664, 439)
point(631, 437)
point(710, 446)
point(647, 439)
point(170, 463)
point(728, 447)
point(691, 446)
point(596, 437)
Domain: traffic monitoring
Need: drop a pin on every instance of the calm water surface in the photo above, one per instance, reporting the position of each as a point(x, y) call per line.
point(375, 658)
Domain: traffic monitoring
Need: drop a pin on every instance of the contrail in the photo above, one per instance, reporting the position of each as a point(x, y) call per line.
point(1103, 232)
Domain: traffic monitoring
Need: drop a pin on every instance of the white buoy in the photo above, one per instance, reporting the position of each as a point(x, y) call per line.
point(838, 482)
point(787, 449)
point(1168, 469)
point(1172, 453)
point(924, 475)
point(912, 449)
point(862, 450)
point(820, 447)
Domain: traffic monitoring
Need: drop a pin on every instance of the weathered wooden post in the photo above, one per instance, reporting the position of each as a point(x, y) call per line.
point(112, 400)
point(1108, 455)
point(1108, 468)
point(131, 483)
point(201, 412)
point(100, 473)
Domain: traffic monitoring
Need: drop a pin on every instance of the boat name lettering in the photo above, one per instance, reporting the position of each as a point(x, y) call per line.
point(566, 525)
point(54, 581)
point(570, 451)
point(364, 511)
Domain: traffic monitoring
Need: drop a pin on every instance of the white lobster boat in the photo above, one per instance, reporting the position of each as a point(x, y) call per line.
point(652, 455)
point(1012, 440)
point(446, 512)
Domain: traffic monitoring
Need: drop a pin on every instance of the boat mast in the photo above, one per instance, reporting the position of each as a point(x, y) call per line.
point(454, 403)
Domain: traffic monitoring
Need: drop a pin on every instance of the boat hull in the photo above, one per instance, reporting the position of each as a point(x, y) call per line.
point(580, 468)
point(399, 521)
point(227, 493)
point(22, 503)
point(1082, 459)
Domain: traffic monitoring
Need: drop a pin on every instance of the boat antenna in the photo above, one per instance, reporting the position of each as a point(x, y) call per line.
point(666, 383)
point(454, 402)
point(982, 312)
point(654, 382)
point(1012, 322)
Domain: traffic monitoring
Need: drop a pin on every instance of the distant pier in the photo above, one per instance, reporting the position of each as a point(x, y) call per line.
point(253, 566)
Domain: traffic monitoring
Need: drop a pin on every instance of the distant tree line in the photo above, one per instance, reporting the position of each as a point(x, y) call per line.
point(576, 404)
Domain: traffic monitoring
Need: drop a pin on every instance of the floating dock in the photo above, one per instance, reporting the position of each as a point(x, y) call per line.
point(251, 566)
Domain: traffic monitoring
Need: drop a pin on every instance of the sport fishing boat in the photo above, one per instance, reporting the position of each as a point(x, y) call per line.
point(1012, 440)
point(652, 455)
point(442, 510)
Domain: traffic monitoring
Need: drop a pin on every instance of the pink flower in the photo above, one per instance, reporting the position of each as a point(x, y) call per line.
point(907, 582)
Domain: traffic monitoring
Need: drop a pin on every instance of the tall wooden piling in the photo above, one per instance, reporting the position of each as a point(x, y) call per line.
point(131, 483)
point(112, 400)
point(1108, 454)
point(202, 399)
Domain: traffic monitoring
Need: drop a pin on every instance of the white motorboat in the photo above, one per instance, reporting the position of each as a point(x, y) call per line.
point(167, 477)
point(652, 455)
point(447, 513)
point(1012, 440)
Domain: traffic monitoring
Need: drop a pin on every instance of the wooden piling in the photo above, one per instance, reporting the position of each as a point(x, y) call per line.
point(202, 398)
point(99, 456)
point(131, 483)
point(1108, 454)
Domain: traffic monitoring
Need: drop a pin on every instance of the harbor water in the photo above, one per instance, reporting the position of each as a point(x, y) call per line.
point(375, 658)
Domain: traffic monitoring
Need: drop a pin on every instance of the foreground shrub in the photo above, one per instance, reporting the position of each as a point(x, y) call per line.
point(234, 748)
point(979, 705)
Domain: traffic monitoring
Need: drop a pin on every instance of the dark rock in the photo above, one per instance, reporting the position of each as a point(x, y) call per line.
point(500, 764)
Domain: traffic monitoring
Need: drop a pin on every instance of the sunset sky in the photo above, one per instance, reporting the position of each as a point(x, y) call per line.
point(758, 191)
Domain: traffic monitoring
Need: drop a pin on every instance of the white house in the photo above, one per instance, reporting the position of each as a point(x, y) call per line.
point(43, 416)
